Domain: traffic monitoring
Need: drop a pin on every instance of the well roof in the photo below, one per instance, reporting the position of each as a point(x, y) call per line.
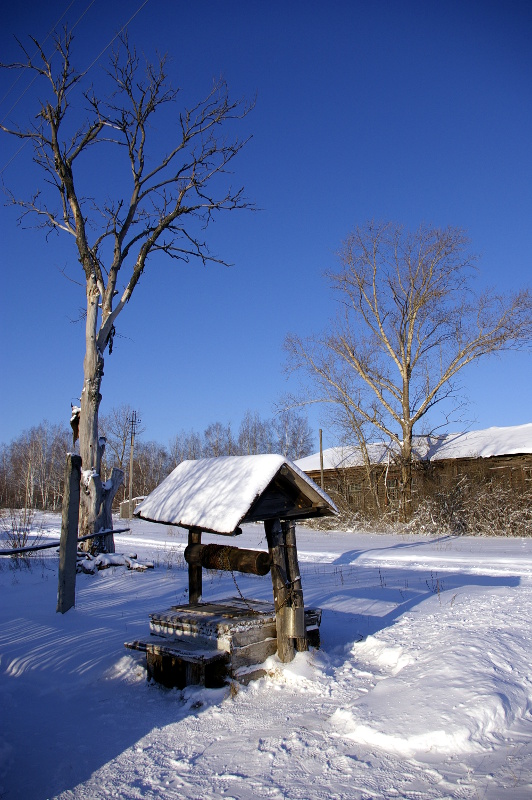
point(218, 494)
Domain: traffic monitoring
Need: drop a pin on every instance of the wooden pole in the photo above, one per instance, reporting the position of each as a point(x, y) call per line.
point(281, 594)
point(134, 423)
point(294, 578)
point(321, 457)
point(68, 547)
point(195, 587)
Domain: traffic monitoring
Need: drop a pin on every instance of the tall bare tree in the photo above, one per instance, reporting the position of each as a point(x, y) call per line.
point(172, 192)
point(409, 323)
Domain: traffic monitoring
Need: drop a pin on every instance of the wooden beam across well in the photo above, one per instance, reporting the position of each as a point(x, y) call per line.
point(232, 559)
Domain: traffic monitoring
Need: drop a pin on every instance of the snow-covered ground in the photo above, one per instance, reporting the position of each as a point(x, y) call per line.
point(422, 688)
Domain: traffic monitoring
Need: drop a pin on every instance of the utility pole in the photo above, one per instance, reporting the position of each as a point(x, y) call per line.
point(321, 457)
point(134, 422)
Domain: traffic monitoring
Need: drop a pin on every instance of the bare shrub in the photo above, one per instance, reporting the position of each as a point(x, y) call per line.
point(443, 512)
point(500, 511)
point(18, 525)
point(475, 509)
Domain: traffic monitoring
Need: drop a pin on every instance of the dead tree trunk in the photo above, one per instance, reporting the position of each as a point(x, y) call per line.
point(96, 495)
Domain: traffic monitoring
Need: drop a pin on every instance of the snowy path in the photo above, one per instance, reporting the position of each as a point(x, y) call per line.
point(422, 688)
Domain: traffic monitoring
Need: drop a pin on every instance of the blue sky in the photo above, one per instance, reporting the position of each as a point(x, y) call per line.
point(409, 111)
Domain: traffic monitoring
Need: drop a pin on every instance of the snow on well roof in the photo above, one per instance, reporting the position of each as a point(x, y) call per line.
point(216, 494)
point(472, 444)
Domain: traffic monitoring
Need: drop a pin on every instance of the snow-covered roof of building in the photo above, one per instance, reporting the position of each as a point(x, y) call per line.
point(218, 494)
point(471, 444)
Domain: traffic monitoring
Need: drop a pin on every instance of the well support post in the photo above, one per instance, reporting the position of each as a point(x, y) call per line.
point(281, 588)
point(294, 577)
point(195, 588)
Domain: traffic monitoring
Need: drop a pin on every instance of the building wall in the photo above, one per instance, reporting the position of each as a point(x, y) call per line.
point(350, 487)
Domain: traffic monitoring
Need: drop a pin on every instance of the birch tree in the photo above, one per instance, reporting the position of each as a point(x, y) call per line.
point(166, 195)
point(294, 437)
point(409, 323)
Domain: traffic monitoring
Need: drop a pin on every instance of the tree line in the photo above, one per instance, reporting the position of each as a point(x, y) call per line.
point(32, 465)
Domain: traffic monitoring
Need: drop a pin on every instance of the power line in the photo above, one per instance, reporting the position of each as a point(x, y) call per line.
point(30, 84)
point(115, 37)
point(52, 29)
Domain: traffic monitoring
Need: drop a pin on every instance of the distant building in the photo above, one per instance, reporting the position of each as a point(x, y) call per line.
point(496, 457)
point(127, 508)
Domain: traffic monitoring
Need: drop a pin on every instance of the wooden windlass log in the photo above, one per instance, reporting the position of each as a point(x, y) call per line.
point(224, 557)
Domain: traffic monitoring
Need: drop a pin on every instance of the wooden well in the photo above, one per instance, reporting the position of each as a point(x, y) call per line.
point(207, 643)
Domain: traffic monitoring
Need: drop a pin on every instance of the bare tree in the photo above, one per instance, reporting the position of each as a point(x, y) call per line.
point(218, 441)
point(152, 465)
point(185, 446)
point(288, 433)
point(171, 196)
point(409, 323)
point(293, 434)
point(255, 435)
point(32, 468)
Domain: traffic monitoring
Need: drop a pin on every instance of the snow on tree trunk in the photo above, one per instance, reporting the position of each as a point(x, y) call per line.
point(96, 495)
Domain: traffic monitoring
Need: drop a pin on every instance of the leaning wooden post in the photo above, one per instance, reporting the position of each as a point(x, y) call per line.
point(281, 594)
point(294, 579)
point(66, 590)
point(195, 588)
